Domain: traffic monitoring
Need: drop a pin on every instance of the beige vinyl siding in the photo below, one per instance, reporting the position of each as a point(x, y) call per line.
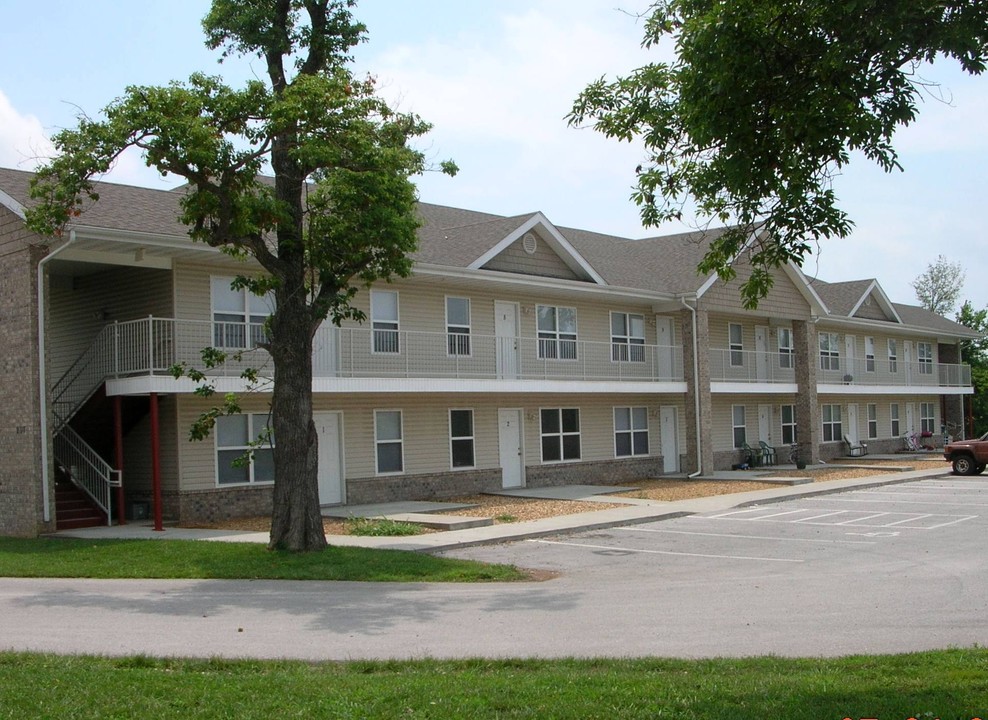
point(81, 306)
point(871, 310)
point(137, 450)
point(783, 301)
point(544, 261)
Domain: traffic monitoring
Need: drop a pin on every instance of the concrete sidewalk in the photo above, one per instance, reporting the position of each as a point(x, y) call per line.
point(640, 512)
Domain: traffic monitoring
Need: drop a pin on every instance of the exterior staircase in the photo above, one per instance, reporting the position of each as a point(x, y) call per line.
point(74, 508)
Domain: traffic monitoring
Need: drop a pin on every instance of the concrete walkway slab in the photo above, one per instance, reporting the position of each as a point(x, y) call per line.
point(565, 492)
point(442, 522)
point(379, 510)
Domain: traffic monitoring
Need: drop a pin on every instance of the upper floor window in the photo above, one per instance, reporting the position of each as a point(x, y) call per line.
point(457, 326)
point(787, 350)
point(869, 354)
point(557, 332)
point(924, 352)
point(627, 337)
point(236, 436)
point(630, 431)
point(384, 321)
point(893, 357)
point(788, 424)
point(829, 353)
point(238, 315)
point(560, 434)
point(735, 340)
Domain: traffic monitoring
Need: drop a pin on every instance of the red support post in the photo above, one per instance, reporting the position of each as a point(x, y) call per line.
point(156, 462)
point(119, 455)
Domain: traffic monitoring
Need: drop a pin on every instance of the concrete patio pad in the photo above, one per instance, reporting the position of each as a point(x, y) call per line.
point(378, 510)
point(565, 492)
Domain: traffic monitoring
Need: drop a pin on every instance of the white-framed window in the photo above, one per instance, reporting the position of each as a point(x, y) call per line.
point(630, 431)
point(788, 415)
point(829, 351)
point(894, 419)
point(832, 430)
point(735, 342)
point(872, 421)
point(893, 355)
point(458, 326)
point(388, 442)
point(869, 354)
point(738, 425)
point(924, 353)
point(927, 417)
point(557, 332)
point(384, 321)
point(627, 337)
point(560, 431)
point(234, 437)
point(461, 454)
point(787, 351)
point(238, 315)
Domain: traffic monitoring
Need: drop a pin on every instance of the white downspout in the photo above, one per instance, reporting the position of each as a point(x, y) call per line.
point(696, 392)
point(43, 374)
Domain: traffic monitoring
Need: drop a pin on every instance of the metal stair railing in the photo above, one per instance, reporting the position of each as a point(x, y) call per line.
point(82, 379)
point(91, 473)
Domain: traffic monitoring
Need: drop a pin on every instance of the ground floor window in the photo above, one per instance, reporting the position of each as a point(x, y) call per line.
point(630, 431)
point(560, 434)
point(461, 438)
point(788, 424)
point(831, 423)
point(894, 415)
point(927, 417)
point(738, 425)
point(388, 441)
point(244, 449)
point(872, 421)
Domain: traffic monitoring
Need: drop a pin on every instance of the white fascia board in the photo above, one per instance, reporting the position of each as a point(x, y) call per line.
point(456, 385)
point(15, 207)
point(101, 257)
point(712, 278)
point(753, 388)
point(884, 327)
point(176, 242)
point(804, 286)
point(883, 300)
point(928, 390)
point(567, 253)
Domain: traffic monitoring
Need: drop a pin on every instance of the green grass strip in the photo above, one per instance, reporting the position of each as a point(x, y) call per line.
point(950, 685)
point(70, 558)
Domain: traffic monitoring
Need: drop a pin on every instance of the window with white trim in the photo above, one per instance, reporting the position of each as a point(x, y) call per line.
point(630, 431)
point(388, 442)
point(238, 315)
point(869, 354)
point(457, 326)
point(927, 417)
point(832, 429)
point(893, 355)
point(557, 332)
point(894, 419)
point(627, 337)
point(461, 438)
point(924, 353)
point(787, 350)
point(829, 351)
point(738, 425)
point(735, 341)
point(872, 421)
point(236, 436)
point(384, 321)
point(788, 415)
point(560, 432)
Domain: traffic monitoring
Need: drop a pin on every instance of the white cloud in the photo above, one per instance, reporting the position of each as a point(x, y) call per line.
point(23, 141)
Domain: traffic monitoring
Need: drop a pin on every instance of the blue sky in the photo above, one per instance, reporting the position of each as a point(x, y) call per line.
point(496, 79)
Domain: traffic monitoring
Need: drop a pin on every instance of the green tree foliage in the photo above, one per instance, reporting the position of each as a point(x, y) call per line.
point(939, 287)
point(338, 214)
point(765, 102)
point(975, 353)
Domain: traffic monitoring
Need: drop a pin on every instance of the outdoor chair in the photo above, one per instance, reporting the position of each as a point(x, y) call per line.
point(754, 457)
point(855, 449)
point(768, 455)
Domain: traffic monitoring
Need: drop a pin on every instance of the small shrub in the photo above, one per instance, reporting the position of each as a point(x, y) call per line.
point(506, 518)
point(381, 527)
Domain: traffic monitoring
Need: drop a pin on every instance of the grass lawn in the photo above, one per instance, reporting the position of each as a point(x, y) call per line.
point(67, 557)
point(947, 684)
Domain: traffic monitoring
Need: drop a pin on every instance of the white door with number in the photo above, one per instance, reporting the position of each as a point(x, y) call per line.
point(506, 330)
point(669, 429)
point(329, 429)
point(510, 450)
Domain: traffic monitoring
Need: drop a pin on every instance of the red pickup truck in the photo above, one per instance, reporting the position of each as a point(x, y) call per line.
point(969, 457)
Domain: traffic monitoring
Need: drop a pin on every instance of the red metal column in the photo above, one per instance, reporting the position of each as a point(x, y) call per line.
point(119, 452)
point(156, 462)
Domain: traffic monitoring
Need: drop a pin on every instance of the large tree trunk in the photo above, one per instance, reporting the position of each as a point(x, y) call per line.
point(296, 523)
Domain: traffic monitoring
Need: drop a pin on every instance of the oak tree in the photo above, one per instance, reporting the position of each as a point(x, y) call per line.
point(338, 214)
point(939, 286)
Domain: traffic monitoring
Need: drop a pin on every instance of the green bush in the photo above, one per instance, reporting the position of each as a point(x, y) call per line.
point(381, 527)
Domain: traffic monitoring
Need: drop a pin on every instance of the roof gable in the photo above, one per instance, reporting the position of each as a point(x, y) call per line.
point(874, 304)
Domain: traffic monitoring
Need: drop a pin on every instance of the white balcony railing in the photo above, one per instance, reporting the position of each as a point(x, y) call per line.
point(153, 345)
point(751, 366)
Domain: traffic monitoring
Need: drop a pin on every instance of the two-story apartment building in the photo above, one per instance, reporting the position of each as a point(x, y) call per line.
point(517, 353)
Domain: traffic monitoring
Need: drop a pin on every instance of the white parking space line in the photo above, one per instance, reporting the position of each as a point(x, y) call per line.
point(903, 502)
point(629, 551)
point(908, 519)
point(816, 517)
point(905, 521)
point(855, 520)
point(952, 522)
point(745, 537)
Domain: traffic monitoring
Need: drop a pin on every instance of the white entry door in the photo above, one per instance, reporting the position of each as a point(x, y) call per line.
point(510, 451)
point(910, 422)
point(669, 428)
point(761, 352)
point(506, 330)
point(765, 423)
point(325, 350)
point(850, 357)
point(907, 360)
point(329, 429)
point(851, 429)
point(664, 338)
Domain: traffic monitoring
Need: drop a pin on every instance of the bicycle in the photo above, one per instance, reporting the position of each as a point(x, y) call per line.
point(911, 442)
point(793, 453)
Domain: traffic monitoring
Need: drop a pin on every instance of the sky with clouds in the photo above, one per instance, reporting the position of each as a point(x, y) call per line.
point(496, 80)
